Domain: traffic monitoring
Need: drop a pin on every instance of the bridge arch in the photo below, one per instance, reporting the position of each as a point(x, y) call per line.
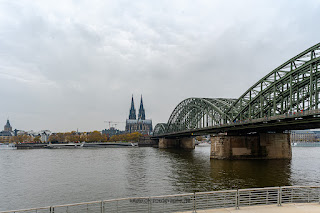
point(160, 128)
point(291, 87)
point(198, 113)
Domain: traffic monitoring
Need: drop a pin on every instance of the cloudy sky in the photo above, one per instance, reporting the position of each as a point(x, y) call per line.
point(75, 64)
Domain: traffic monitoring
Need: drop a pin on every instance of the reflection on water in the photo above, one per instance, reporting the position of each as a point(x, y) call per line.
point(193, 171)
point(247, 174)
point(51, 177)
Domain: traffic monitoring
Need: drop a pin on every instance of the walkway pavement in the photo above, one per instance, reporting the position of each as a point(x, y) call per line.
point(285, 208)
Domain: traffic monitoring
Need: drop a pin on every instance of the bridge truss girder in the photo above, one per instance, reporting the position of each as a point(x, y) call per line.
point(291, 87)
point(194, 113)
point(281, 88)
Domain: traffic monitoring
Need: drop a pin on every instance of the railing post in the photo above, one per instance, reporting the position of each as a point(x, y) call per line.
point(279, 196)
point(194, 203)
point(101, 207)
point(117, 206)
point(149, 205)
point(237, 199)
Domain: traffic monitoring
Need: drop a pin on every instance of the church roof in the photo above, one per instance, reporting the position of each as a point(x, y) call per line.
point(5, 133)
point(8, 124)
point(135, 121)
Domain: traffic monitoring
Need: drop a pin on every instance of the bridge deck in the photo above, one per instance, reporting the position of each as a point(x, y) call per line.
point(293, 121)
point(285, 208)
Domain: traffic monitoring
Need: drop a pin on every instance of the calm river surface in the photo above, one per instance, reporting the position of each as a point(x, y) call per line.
point(34, 178)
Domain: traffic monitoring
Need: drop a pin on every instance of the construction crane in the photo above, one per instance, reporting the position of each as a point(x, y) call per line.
point(113, 122)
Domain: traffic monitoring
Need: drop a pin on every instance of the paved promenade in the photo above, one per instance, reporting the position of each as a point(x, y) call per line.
point(285, 208)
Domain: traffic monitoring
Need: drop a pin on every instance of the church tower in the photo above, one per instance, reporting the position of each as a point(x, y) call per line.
point(132, 114)
point(139, 124)
point(8, 127)
point(141, 115)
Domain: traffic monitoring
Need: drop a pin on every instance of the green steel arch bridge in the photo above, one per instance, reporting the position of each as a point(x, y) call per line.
point(287, 98)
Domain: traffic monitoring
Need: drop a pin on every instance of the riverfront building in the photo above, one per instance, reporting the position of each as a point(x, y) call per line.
point(298, 136)
point(140, 124)
point(6, 134)
point(112, 131)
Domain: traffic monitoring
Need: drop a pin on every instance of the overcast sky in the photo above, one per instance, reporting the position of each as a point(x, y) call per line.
point(75, 64)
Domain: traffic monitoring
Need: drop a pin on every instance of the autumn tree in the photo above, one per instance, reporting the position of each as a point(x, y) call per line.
point(83, 138)
point(129, 137)
point(21, 138)
point(104, 138)
point(67, 136)
point(53, 138)
point(95, 136)
point(58, 137)
point(37, 139)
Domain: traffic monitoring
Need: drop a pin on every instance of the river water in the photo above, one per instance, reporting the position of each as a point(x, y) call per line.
point(43, 177)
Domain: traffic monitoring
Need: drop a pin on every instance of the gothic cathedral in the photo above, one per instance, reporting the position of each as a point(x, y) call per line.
point(140, 124)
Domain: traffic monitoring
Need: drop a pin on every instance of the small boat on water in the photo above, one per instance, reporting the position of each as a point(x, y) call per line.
point(64, 145)
point(7, 146)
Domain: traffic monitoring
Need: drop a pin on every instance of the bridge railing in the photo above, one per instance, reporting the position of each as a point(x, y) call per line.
point(192, 201)
point(266, 119)
point(277, 117)
point(272, 118)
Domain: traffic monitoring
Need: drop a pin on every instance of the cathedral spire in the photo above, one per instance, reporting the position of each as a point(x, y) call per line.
point(132, 114)
point(141, 115)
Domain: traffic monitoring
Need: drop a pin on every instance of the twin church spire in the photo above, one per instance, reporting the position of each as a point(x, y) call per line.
point(132, 114)
point(141, 114)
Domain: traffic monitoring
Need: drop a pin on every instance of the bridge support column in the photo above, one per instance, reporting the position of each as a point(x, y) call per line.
point(260, 146)
point(183, 143)
point(167, 143)
point(187, 143)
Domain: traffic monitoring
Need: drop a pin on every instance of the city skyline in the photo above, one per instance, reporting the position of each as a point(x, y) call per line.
point(67, 66)
point(140, 116)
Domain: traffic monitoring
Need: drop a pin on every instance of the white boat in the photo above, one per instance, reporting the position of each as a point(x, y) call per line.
point(64, 145)
point(7, 146)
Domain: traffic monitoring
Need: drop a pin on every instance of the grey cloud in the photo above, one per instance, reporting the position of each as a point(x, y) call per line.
point(74, 64)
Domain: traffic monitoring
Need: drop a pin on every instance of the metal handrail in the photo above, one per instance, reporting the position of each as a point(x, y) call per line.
point(24, 210)
point(77, 204)
point(193, 201)
point(220, 191)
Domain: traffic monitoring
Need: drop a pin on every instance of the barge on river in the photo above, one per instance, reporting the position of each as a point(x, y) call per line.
point(90, 145)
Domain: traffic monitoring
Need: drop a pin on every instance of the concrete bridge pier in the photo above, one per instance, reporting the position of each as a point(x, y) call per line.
point(258, 146)
point(180, 143)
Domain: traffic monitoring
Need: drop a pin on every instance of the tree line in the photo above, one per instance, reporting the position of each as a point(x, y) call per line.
point(74, 136)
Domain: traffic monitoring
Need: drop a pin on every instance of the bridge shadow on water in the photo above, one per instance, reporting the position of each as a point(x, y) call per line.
point(193, 171)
